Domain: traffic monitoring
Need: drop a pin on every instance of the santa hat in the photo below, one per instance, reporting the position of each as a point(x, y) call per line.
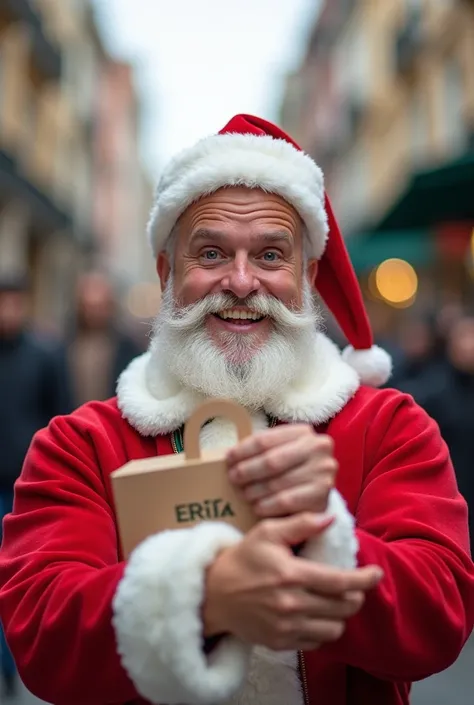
point(252, 152)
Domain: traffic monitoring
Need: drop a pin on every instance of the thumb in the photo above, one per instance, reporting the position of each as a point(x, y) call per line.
point(296, 529)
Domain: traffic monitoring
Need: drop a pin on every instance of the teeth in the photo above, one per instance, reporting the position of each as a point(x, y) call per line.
point(243, 315)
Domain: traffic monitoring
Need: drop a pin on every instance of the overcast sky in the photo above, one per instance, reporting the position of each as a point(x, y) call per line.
point(201, 62)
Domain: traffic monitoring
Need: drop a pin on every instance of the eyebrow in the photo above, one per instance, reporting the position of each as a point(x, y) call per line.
point(218, 236)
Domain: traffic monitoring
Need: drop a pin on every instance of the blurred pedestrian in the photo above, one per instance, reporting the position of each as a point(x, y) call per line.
point(422, 352)
point(450, 401)
point(449, 312)
point(99, 349)
point(34, 388)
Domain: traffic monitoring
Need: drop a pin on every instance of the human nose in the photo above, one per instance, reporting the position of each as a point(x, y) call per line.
point(241, 280)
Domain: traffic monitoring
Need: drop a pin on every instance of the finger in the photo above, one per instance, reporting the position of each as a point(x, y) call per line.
point(321, 607)
point(311, 497)
point(265, 440)
point(272, 462)
point(327, 580)
point(301, 475)
point(293, 530)
point(320, 631)
point(307, 645)
point(278, 460)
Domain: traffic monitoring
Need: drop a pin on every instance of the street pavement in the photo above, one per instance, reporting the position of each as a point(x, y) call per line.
point(453, 687)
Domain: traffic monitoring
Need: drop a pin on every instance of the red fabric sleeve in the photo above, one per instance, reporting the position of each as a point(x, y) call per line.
point(413, 523)
point(59, 570)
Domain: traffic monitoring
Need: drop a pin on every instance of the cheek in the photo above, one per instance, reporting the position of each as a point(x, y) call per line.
point(193, 284)
point(284, 284)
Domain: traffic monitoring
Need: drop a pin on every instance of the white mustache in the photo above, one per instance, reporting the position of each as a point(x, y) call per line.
point(193, 316)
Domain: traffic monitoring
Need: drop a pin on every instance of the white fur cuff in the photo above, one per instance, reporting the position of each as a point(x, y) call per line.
point(338, 545)
point(158, 625)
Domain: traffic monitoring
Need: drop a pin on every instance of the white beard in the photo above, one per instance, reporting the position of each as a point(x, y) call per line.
point(235, 371)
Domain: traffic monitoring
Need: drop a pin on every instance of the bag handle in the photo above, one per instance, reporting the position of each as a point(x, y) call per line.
point(208, 410)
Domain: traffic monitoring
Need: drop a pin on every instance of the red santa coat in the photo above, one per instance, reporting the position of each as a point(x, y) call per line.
point(60, 566)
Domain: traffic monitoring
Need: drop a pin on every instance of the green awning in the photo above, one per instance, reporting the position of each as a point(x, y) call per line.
point(434, 196)
point(367, 250)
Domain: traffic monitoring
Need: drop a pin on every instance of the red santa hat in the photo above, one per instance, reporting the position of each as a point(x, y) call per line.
point(252, 152)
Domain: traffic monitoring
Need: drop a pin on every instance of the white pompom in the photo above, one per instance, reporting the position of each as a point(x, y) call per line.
point(374, 365)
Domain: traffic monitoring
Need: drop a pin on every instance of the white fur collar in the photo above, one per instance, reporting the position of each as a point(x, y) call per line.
point(154, 403)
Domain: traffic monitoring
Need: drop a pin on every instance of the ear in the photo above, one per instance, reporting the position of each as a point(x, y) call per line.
point(163, 268)
point(312, 272)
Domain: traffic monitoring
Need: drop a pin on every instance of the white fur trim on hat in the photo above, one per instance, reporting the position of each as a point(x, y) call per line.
point(158, 623)
point(273, 165)
point(374, 366)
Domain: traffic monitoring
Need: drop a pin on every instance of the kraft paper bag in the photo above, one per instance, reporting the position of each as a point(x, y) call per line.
point(178, 491)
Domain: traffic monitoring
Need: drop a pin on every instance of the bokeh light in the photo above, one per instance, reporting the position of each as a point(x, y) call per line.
point(396, 282)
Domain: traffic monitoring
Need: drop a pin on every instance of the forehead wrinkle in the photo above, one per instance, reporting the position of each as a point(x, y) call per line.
point(267, 237)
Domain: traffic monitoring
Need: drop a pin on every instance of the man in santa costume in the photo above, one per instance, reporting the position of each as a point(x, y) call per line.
point(358, 578)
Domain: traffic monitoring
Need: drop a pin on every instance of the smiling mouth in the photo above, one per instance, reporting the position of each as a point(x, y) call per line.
point(239, 317)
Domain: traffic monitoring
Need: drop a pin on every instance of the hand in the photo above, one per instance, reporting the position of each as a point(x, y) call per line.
point(258, 591)
point(284, 470)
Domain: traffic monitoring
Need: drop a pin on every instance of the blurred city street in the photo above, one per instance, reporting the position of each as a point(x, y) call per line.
point(453, 687)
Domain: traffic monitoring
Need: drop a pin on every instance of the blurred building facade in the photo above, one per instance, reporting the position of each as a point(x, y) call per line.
point(123, 192)
point(65, 182)
point(384, 101)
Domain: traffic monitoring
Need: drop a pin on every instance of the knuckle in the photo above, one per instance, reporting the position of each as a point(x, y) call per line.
point(326, 443)
point(272, 461)
point(287, 503)
point(357, 598)
point(331, 467)
point(355, 604)
point(239, 475)
point(286, 603)
point(262, 442)
point(337, 630)
point(266, 528)
point(285, 576)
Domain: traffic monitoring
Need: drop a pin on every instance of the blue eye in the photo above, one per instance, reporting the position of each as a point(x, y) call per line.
point(270, 256)
point(211, 254)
